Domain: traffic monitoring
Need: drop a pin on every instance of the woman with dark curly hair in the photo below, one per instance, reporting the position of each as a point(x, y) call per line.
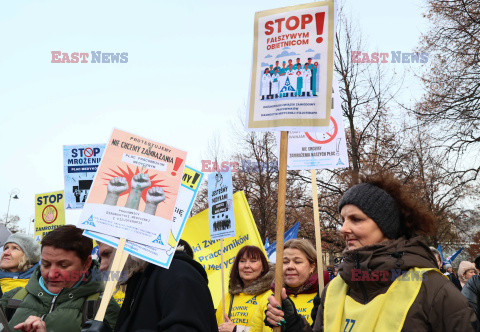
point(389, 278)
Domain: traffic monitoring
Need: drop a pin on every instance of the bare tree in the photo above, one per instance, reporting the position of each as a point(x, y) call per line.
point(451, 101)
point(12, 223)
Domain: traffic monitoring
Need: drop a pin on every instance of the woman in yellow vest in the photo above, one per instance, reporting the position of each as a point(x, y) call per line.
point(20, 256)
point(389, 279)
point(300, 279)
point(250, 280)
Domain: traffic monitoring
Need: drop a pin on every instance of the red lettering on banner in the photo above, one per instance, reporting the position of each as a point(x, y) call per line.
point(291, 23)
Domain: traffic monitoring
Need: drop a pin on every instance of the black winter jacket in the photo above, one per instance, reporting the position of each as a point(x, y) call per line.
point(177, 299)
point(471, 291)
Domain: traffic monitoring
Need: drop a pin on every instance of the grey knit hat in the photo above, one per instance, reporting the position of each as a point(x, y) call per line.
point(29, 246)
point(377, 204)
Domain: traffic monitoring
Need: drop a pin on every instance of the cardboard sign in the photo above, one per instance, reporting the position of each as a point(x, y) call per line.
point(325, 148)
point(292, 68)
point(220, 203)
point(163, 256)
point(80, 163)
point(135, 189)
point(49, 213)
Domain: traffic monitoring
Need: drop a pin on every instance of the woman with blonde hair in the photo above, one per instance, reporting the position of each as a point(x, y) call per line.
point(300, 281)
point(20, 256)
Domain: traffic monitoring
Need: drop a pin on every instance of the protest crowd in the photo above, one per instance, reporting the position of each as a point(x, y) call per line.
point(386, 266)
point(129, 263)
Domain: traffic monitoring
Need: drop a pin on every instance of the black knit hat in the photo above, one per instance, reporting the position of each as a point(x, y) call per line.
point(377, 204)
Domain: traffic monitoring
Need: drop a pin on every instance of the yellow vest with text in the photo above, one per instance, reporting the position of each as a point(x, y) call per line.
point(243, 307)
point(386, 312)
point(303, 304)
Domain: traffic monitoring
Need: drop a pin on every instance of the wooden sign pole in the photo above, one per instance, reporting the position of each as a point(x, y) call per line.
point(223, 280)
point(318, 234)
point(117, 265)
point(282, 189)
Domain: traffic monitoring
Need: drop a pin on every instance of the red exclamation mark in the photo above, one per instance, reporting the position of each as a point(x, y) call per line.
point(178, 162)
point(320, 20)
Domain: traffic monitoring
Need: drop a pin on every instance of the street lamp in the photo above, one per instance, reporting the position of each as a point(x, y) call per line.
point(13, 194)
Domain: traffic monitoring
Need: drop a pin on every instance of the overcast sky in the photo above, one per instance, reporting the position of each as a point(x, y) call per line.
point(186, 77)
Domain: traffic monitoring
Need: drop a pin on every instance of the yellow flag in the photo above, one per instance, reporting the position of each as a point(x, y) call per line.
point(49, 213)
point(207, 252)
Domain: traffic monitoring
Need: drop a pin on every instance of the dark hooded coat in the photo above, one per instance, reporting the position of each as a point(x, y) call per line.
point(173, 300)
point(438, 307)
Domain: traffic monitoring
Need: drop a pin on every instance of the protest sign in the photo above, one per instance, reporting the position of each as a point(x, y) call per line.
point(221, 215)
point(135, 189)
point(292, 69)
point(163, 256)
point(207, 252)
point(324, 148)
point(49, 213)
point(80, 163)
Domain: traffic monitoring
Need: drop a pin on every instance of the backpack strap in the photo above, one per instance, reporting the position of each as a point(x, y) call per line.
point(90, 307)
point(14, 302)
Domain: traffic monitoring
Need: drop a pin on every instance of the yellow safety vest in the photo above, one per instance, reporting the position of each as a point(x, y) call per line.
point(386, 312)
point(304, 305)
point(243, 307)
point(8, 284)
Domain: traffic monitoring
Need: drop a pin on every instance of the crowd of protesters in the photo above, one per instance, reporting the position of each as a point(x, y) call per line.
point(387, 280)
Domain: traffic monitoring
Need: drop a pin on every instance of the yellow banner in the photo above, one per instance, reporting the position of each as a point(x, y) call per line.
point(208, 252)
point(49, 213)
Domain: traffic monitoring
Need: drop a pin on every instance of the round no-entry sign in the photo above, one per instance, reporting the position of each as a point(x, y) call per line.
point(88, 152)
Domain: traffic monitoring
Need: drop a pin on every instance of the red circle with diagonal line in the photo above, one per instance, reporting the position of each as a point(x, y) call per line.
point(88, 152)
point(331, 136)
point(50, 215)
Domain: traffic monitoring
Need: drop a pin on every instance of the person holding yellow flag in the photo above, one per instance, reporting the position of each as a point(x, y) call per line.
point(250, 280)
point(389, 279)
point(21, 254)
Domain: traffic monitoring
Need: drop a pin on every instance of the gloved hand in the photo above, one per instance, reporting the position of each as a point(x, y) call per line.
point(293, 319)
point(96, 326)
point(290, 319)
